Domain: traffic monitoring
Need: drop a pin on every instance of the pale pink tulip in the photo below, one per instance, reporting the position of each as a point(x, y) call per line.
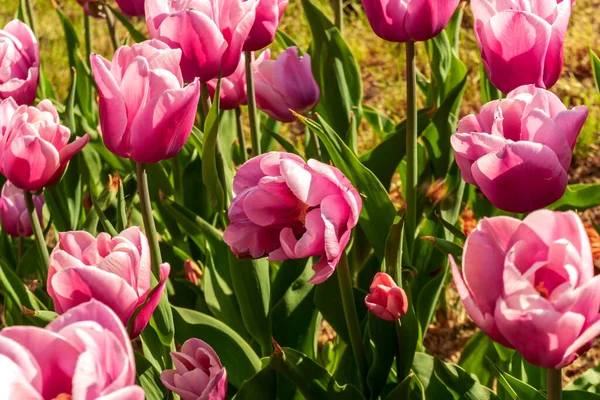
point(34, 147)
point(19, 63)
point(285, 208)
point(530, 285)
point(210, 33)
point(409, 20)
point(518, 150)
point(285, 84)
point(268, 16)
point(521, 42)
point(146, 113)
point(13, 211)
point(115, 271)
point(84, 354)
point(387, 300)
point(233, 88)
point(198, 373)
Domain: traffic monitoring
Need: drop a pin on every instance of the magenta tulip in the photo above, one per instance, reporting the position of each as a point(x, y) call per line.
point(13, 211)
point(518, 150)
point(233, 88)
point(34, 147)
point(521, 42)
point(268, 16)
point(409, 20)
point(387, 300)
point(93, 8)
point(115, 271)
point(210, 33)
point(19, 63)
point(84, 354)
point(285, 84)
point(285, 208)
point(534, 280)
point(146, 113)
point(198, 373)
point(133, 8)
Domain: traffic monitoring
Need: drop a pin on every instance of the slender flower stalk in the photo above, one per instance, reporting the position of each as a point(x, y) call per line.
point(338, 11)
point(240, 135)
point(204, 102)
point(30, 15)
point(345, 281)
point(110, 23)
point(411, 146)
point(554, 384)
point(252, 110)
point(146, 208)
point(38, 233)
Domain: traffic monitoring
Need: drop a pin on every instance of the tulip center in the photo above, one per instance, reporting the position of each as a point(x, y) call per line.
point(63, 396)
point(547, 279)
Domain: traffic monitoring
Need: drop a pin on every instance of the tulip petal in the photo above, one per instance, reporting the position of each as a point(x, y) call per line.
point(30, 163)
point(143, 316)
point(469, 147)
point(126, 393)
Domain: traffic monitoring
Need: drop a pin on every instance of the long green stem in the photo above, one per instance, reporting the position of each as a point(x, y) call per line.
point(30, 15)
point(411, 147)
point(240, 134)
point(146, 208)
point(88, 36)
point(338, 11)
point(110, 23)
point(554, 384)
point(346, 291)
point(252, 110)
point(204, 102)
point(38, 233)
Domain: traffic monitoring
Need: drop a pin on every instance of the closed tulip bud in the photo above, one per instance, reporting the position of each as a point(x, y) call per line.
point(193, 273)
point(19, 63)
point(532, 279)
point(146, 113)
point(268, 16)
point(518, 150)
point(34, 147)
point(93, 8)
point(133, 8)
point(285, 84)
point(387, 300)
point(83, 354)
point(198, 373)
point(112, 270)
point(233, 88)
point(210, 33)
point(409, 20)
point(13, 211)
point(521, 42)
point(285, 208)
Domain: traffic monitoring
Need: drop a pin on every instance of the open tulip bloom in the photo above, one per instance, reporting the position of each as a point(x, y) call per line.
point(13, 211)
point(530, 285)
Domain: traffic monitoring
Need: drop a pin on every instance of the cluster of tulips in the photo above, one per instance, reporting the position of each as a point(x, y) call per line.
point(529, 279)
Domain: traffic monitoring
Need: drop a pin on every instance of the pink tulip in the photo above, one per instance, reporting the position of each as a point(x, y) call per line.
point(268, 16)
point(210, 33)
point(387, 300)
point(13, 211)
point(198, 373)
point(34, 147)
point(409, 20)
point(19, 63)
point(115, 271)
point(533, 280)
point(285, 208)
point(193, 273)
point(521, 42)
point(145, 112)
point(285, 84)
point(133, 8)
point(233, 88)
point(518, 150)
point(84, 354)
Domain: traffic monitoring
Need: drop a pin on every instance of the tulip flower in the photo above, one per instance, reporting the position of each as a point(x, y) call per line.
point(146, 113)
point(13, 211)
point(193, 273)
point(521, 42)
point(84, 354)
point(518, 150)
point(198, 373)
point(114, 271)
point(93, 8)
point(285, 84)
point(210, 33)
point(233, 88)
point(34, 147)
point(133, 8)
point(268, 16)
point(285, 208)
point(532, 279)
point(387, 300)
point(409, 20)
point(19, 63)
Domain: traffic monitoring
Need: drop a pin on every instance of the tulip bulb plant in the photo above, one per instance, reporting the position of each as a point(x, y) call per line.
point(314, 263)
